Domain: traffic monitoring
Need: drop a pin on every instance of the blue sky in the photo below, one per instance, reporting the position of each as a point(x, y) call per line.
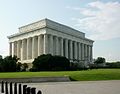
point(99, 19)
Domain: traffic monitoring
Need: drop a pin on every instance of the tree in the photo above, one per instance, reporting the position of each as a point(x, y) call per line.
point(100, 62)
point(41, 63)
point(59, 63)
point(113, 64)
point(1, 57)
point(21, 67)
point(1, 61)
point(49, 62)
point(9, 64)
point(18, 66)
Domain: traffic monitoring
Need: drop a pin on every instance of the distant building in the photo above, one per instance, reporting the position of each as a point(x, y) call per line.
point(49, 37)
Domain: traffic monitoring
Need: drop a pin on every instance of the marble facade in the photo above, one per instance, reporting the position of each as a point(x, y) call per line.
point(49, 37)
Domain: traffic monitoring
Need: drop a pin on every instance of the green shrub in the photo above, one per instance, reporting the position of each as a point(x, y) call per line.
point(50, 63)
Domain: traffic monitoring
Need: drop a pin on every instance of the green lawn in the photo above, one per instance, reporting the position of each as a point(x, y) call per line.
point(88, 75)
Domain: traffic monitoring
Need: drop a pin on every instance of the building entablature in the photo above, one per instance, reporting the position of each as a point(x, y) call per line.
point(53, 25)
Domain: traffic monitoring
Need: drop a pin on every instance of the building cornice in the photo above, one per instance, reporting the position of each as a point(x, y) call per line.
point(46, 23)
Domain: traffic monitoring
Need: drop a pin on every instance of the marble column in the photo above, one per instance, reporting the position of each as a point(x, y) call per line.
point(88, 53)
point(10, 48)
point(91, 54)
point(24, 49)
point(34, 47)
point(51, 45)
point(18, 49)
point(66, 48)
point(15, 48)
point(82, 51)
point(45, 44)
point(59, 53)
point(75, 50)
point(61, 46)
point(40, 44)
point(79, 45)
point(71, 50)
point(56, 46)
point(86, 58)
point(29, 48)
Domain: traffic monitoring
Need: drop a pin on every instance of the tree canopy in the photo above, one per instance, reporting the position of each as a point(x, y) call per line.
point(99, 60)
point(49, 62)
point(8, 64)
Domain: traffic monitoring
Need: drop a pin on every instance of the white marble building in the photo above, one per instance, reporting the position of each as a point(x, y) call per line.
point(49, 37)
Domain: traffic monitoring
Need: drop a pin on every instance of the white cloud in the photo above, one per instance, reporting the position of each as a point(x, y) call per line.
point(101, 19)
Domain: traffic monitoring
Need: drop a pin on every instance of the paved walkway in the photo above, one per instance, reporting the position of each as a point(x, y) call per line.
point(81, 87)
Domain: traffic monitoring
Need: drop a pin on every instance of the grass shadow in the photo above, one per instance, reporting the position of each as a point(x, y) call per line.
point(72, 79)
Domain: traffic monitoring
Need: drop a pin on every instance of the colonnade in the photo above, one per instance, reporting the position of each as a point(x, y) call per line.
point(32, 47)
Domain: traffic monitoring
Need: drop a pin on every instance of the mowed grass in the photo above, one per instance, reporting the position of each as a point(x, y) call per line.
point(86, 75)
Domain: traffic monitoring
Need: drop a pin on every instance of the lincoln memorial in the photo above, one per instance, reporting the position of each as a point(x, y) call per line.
point(49, 37)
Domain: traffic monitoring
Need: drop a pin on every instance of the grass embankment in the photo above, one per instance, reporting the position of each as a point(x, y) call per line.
point(88, 75)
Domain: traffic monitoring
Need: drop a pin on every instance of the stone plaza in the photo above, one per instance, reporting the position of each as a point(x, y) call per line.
point(49, 37)
point(79, 87)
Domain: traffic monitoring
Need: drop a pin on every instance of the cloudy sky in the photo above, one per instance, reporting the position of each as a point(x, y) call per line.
point(99, 19)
